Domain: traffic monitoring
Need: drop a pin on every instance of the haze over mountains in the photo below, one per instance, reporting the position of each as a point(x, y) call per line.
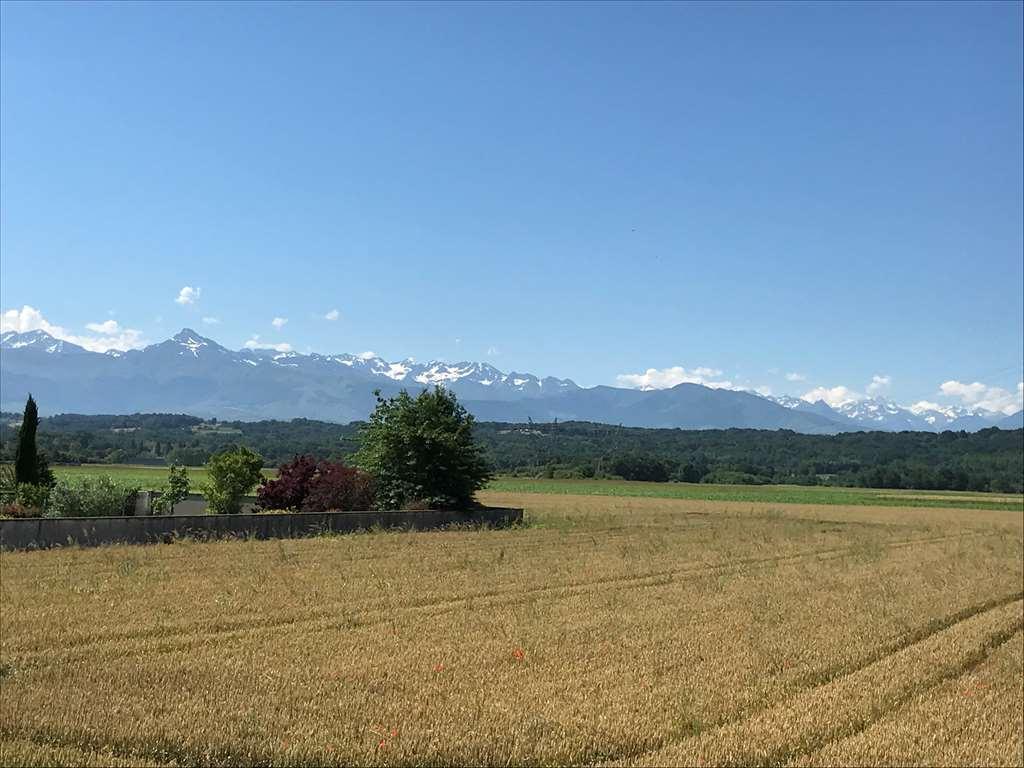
point(190, 373)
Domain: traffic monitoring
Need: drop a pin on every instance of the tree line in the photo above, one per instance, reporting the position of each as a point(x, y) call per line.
point(989, 460)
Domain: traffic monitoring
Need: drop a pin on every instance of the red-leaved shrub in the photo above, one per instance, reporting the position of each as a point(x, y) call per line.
point(316, 486)
point(17, 511)
point(289, 489)
point(337, 487)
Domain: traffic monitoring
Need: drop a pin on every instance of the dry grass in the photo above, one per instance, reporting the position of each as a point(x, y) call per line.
point(620, 630)
point(973, 719)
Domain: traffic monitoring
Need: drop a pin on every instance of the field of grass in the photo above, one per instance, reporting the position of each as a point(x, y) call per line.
point(147, 477)
point(154, 477)
point(776, 494)
point(612, 630)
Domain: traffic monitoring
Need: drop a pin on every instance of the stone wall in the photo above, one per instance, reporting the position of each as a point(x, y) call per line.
point(42, 533)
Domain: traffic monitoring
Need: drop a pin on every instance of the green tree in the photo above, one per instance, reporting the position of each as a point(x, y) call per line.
point(421, 452)
point(174, 492)
point(233, 473)
point(26, 460)
point(30, 466)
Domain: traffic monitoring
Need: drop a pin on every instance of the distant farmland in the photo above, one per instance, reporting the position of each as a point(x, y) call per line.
point(611, 629)
point(149, 477)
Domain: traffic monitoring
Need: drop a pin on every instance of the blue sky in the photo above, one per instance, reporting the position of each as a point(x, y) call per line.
point(590, 191)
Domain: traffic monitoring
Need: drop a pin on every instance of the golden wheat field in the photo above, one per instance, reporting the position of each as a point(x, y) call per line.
point(616, 631)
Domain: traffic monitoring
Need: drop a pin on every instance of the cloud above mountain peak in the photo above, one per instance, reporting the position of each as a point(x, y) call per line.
point(112, 335)
point(665, 378)
point(984, 396)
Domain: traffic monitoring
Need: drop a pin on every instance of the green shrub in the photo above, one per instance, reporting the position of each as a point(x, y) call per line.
point(174, 492)
point(32, 496)
point(233, 473)
point(8, 484)
point(92, 497)
point(733, 477)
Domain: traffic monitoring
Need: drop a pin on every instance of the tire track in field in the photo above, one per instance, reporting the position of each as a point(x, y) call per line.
point(906, 705)
point(326, 619)
point(848, 699)
point(352, 619)
point(988, 629)
point(514, 549)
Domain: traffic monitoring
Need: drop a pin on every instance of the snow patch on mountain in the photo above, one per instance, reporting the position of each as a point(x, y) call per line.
point(881, 413)
point(37, 340)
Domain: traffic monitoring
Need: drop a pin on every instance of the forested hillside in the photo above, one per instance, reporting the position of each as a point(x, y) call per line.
point(989, 460)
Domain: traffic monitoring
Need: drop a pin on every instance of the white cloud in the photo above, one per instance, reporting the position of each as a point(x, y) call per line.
point(925, 405)
point(279, 322)
point(795, 377)
point(332, 315)
point(492, 352)
point(107, 327)
point(879, 383)
point(211, 320)
point(969, 393)
point(841, 395)
point(707, 372)
point(114, 336)
point(188, 295)
point(664, 378)
point(366, 355)
point(833, 396)
point(255, 343)
point(985, 397)
point(763, 390)
point(27, 319)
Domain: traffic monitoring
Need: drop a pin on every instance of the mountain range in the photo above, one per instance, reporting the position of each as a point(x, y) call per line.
point(190, 373)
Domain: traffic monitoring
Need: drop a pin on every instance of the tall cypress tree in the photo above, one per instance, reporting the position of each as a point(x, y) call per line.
point(26, 459)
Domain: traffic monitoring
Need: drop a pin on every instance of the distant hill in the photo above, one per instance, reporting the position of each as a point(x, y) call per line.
point(1013, 421)
point(190, 373)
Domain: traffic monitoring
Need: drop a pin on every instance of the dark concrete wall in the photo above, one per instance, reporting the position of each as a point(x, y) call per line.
point(196, 504)
point(42, 533)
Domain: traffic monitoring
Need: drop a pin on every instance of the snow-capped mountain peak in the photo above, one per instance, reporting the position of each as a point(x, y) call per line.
point(189, 343)
point(881, 413)
point(470, 379)
point(872, 409)
point(37, 340)
point(786, 401)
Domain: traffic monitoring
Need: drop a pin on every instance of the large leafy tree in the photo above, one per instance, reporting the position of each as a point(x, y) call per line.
point(422, 453)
